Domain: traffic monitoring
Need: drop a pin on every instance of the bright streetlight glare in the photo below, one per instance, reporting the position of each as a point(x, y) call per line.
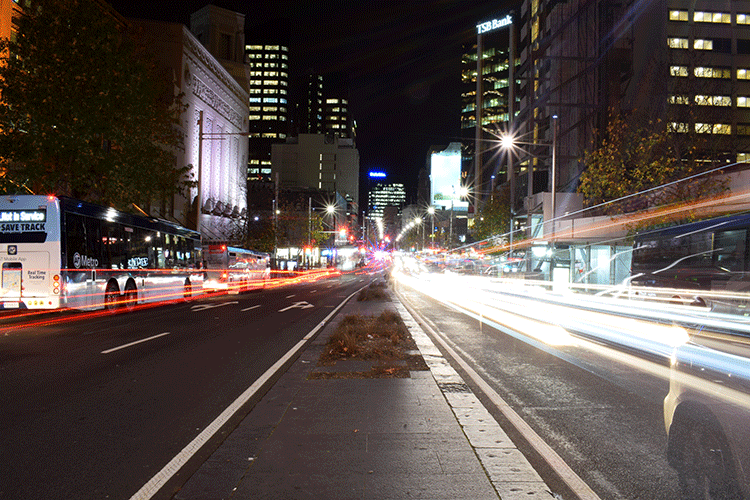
point(507, 141)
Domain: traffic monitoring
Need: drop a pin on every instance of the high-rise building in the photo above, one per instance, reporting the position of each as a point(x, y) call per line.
point(336, 118)
point(682, 62)
point(269, 105)
point(310, 115)
point(385, 194)
point(494, 88)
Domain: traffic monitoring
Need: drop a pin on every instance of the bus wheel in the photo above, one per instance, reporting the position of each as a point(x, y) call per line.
point(112, 297)
point(698, 302)
point(131, 296)
point(187, 290)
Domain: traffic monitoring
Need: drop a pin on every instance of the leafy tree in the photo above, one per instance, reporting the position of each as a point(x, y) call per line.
point(635, 159)
point(83, 111)
point(493, 219)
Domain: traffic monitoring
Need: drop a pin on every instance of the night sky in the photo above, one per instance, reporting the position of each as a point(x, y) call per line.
point(400, 61)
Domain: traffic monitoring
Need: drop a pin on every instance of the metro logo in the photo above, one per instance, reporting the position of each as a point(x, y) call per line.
point(82, 261)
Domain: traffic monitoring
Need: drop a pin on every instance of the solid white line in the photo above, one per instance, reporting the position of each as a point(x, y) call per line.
point(249, 308)
point(134, 343)
point(555, 461)
point(160, 479)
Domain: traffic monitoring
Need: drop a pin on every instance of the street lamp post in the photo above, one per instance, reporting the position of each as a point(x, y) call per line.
point(509, 142)
point(450, 232)
point(431, 211)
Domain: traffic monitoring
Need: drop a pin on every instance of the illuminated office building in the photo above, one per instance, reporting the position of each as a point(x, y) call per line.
point(494, 104)
point(383, 195)
point(336, 118)
point(269, 106)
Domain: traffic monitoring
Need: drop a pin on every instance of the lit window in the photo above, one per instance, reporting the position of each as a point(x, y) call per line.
point(254, 108)
point(704, 72)
point(270, 117)
point(713, 100)
point(743, 18)
point(678, 99)
point(271, 109)
point(743, 157)
point(677, 43)
point(743, 101)
point(712, 17)
point(699, 44)
point(253, 47)
point(271, 47)
point(743, 74)
point(678, 127)
point(713, 128)
point(254, 117)
point(678, 15)
point(678, 71)
point(271, 82)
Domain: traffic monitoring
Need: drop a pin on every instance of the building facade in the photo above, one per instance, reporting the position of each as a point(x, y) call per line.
point(214, 126)
point(319, 161)
point(494, 88)
point(268, 105)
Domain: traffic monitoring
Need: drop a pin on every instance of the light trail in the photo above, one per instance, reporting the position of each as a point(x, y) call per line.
point(640, 335)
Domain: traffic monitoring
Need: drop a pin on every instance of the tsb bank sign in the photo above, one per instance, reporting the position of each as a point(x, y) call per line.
point(494, 24)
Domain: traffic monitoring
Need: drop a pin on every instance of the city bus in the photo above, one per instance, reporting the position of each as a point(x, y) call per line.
point(704, 263)
point(58, 252)
point(234, 269)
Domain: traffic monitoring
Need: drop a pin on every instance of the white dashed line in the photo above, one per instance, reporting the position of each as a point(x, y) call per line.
point(134, 343)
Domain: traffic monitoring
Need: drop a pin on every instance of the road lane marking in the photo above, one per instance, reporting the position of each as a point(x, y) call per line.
point(160, 479)
point(297, 305)
point(290, 296)
point(203, 307)
point(134, 343)
point(250, 308)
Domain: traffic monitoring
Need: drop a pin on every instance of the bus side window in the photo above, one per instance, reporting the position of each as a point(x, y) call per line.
point(729, 250)
point(75, 242)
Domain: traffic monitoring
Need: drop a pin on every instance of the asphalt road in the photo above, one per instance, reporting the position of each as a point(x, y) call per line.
point(604, 418)
point(94, 405)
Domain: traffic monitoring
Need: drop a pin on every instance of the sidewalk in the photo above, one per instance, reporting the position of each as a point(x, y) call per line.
point(424, 437)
